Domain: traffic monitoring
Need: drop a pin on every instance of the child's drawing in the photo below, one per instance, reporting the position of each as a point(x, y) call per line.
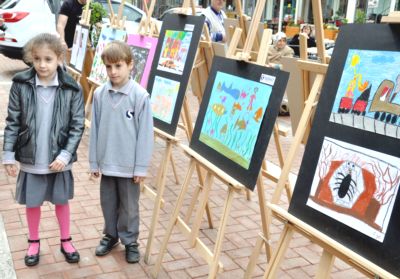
point(356, 186)
point(234, 116)
point(163, 98)
point(367, 96)
point(174, 51)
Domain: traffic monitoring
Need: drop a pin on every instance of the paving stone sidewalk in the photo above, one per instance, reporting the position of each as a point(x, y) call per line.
point(180, 261)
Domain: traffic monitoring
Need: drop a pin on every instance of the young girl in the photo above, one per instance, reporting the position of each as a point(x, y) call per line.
point(45, 123)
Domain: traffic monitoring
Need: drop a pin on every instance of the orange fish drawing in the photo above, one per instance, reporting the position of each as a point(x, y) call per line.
point(219, 109)
point(236, 106)
point(258, 114)
point(241, 124)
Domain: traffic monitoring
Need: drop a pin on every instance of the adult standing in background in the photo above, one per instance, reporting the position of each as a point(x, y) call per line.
point(278, 49)
point(215, 20)
point(69, 16)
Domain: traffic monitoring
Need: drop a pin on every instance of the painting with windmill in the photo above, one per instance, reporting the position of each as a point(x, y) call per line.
point(368, 94)
point(234, 115)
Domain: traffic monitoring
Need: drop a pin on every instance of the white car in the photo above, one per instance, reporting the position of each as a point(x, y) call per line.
point(24, 19)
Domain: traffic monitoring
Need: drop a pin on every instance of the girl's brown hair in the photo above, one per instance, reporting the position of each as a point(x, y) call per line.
point(40, 40)
point(117, 51)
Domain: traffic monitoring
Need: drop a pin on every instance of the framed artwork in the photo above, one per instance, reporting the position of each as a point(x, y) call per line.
point(171, 68)
point(107, 35)
point(75, 44)
point(80, 58)
point(236, 117)
point(164, 97)
point(367, 97)
point(349, 178)
point(143, 50)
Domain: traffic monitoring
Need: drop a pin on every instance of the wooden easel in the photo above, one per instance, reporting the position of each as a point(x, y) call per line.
point(331, 248)
point(147, 26)
point(162, 172)
point(212, 258)
point(311, 97)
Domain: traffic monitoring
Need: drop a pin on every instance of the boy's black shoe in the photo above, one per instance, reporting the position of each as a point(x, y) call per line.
point(106, 245)
point(132, 254)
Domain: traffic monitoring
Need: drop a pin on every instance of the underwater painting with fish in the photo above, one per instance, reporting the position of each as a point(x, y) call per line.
point(234, 115)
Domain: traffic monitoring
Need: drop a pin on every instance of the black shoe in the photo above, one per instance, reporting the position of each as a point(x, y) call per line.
point(132, 254)
point(106, 245)
point(69, 257)
point(33, 259)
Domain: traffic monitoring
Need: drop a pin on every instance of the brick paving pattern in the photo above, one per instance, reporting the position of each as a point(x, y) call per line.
point(180, 260)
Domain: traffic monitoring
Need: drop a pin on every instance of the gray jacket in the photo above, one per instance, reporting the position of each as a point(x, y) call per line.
point(67, 121)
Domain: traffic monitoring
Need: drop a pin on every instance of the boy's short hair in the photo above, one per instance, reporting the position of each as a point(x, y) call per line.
point(116, 51)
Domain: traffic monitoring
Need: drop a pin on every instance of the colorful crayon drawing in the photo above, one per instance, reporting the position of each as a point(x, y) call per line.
point(163, 98)
point(139, 57)
point(234, 116)
point(174, 51)
point(98, 72)
point(143, 49)
point(367, 96)
point(356, 186)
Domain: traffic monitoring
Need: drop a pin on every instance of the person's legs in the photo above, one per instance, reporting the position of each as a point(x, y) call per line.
point(128, 219)
point(109, 205)
point(63, 216)
point(33, 219)
point(68, 250)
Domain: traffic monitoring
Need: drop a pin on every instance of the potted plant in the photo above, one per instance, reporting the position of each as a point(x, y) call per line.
point(96, 17)
point(330, 31)
point(292, 29)
point(360, 16)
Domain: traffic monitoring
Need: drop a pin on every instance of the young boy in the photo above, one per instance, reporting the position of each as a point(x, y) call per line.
point(121, 145)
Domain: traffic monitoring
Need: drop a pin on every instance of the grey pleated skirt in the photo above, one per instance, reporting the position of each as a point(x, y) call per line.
point(34, 189)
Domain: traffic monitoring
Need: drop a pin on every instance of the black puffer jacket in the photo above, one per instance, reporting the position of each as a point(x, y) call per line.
point(67, 123)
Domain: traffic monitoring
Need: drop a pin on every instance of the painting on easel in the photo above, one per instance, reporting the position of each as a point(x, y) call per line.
point(107, 35)
point(367, 96)
point(240, 104)
point(163, 99)
point(79, 46)
point(349, 178)
point(172, 66)
point(356, 186)
point(143, 49)
point(174, 51)
point(233, 116)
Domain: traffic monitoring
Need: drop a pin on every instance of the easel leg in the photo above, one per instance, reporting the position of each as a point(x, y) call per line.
point(281, 159)
point(201, 208)
point(187, 119)
point(174, 170)
point(254, 256)
point(161, 177)
point(174, 218)
point(263, 238)
point(325, 265)
point(195, 197)
point(221, 233)
point(279, 253)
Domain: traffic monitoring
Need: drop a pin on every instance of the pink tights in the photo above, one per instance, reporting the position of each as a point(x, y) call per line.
point(33, 218)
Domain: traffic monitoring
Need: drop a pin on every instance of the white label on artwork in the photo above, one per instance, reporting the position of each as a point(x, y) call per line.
point(148, 45)
point(189, 27)
point(267, 79)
